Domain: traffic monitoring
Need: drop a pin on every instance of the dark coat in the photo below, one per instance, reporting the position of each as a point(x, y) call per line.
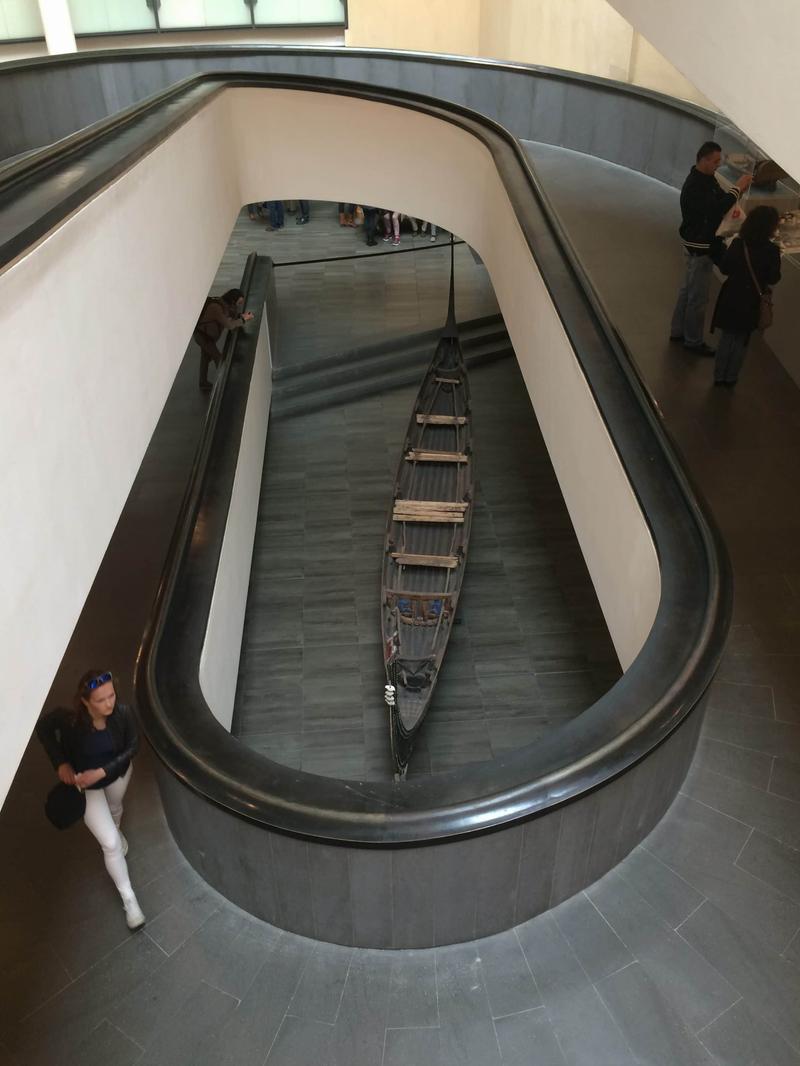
point(217, 316)
point(62, 736)
point(738, 301)
point(703, 205)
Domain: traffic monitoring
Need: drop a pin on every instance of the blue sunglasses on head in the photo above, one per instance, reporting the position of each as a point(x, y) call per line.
point(96, 682)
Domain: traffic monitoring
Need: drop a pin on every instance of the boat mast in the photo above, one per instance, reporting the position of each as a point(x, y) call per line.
point(450, 327)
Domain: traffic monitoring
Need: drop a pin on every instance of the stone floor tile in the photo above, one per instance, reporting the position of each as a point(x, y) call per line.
point(649, 1021)
point(597, 947)
point(672, 898)
point(413, 1002)
point(404, 1046)
point(528, 1037)
point(507, 977)
point(585, 1030)
point(319, 993)
point(739, 1037)
point(696, 991)
point(769, 984)
point(301, 1040)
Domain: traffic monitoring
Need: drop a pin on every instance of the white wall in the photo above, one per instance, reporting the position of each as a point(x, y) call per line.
point(588, 36)
point(584, 35)
point(96, 319)
point(219, 659)
point(740, 54)
point(99, 314)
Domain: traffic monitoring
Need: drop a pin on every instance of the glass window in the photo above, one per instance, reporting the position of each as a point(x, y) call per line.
point(186, 14)
point(20, 18)
point(297, 12)
point(108, 16)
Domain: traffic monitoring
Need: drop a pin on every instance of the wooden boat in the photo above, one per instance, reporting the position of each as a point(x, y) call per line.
point(427, 533)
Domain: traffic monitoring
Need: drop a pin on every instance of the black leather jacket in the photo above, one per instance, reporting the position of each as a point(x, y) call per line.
point(62, 736)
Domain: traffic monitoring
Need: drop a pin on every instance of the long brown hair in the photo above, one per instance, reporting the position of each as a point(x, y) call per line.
point(83, 692)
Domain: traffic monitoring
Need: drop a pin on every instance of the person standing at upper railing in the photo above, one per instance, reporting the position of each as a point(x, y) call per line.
point(219, 313)
point(703, 205)
point(752, 265)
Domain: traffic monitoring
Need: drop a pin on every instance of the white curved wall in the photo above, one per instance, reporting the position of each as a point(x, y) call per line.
point(101, 310)
point(741, 55)
point(222, 644)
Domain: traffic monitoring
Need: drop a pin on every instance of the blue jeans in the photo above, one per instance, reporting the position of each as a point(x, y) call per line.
point(275, 213)
point(303, 205)
point(730, 356)
point(689, 316)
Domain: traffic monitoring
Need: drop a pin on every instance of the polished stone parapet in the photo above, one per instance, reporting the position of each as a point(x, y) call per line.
point(43, 100)
point(443, 892)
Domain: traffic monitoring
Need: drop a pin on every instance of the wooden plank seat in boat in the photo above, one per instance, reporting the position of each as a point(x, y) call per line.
point(418, 455)
point(449, 562)
point(429, 511)
point(409, 504)
point(441, 420)
point(442, 517)
point(404, 595)
point(447, 381)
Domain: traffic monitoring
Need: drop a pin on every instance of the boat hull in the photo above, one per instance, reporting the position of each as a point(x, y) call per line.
point(426, 542)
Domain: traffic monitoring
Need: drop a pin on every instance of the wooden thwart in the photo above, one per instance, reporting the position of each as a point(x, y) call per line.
point(441, 420)
point(422, 596)
point(449, 562)
point(430, 505)
point(447, 511)
point(417, 455)
point(446, 517)
point(447, 381)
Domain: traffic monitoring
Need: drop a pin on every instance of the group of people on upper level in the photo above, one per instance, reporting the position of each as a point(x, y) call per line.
point(377, 222)
point(751, 265)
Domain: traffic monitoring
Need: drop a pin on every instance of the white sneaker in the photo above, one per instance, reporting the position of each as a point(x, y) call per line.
point(133, 913)
point(433, 237)
point(124, 843)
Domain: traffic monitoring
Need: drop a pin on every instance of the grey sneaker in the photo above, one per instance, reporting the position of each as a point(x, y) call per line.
point(133, 913)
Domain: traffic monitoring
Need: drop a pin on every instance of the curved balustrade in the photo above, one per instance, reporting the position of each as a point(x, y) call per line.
point(43, 100)
point(459, 854)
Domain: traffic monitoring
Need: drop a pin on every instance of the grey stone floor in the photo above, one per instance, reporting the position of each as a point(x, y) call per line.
point(530, 650)
point(327, 308)
point(687, 953)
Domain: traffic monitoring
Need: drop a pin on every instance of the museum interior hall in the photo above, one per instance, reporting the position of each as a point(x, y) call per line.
point(400, 620)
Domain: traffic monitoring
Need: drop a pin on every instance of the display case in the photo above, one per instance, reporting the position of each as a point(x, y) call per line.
point(740, 156)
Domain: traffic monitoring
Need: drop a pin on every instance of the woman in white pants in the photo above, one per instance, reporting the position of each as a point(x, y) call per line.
point(91, 746)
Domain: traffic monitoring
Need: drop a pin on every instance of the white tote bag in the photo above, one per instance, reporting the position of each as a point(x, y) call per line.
point(732, 221)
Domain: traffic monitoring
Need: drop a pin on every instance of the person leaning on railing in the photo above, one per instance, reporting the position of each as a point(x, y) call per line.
point(219, 313)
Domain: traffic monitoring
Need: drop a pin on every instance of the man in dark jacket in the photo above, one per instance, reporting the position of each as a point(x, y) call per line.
point(219, 313)
point(703, 205)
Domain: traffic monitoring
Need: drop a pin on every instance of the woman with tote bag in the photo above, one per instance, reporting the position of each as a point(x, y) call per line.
point(752, 264)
